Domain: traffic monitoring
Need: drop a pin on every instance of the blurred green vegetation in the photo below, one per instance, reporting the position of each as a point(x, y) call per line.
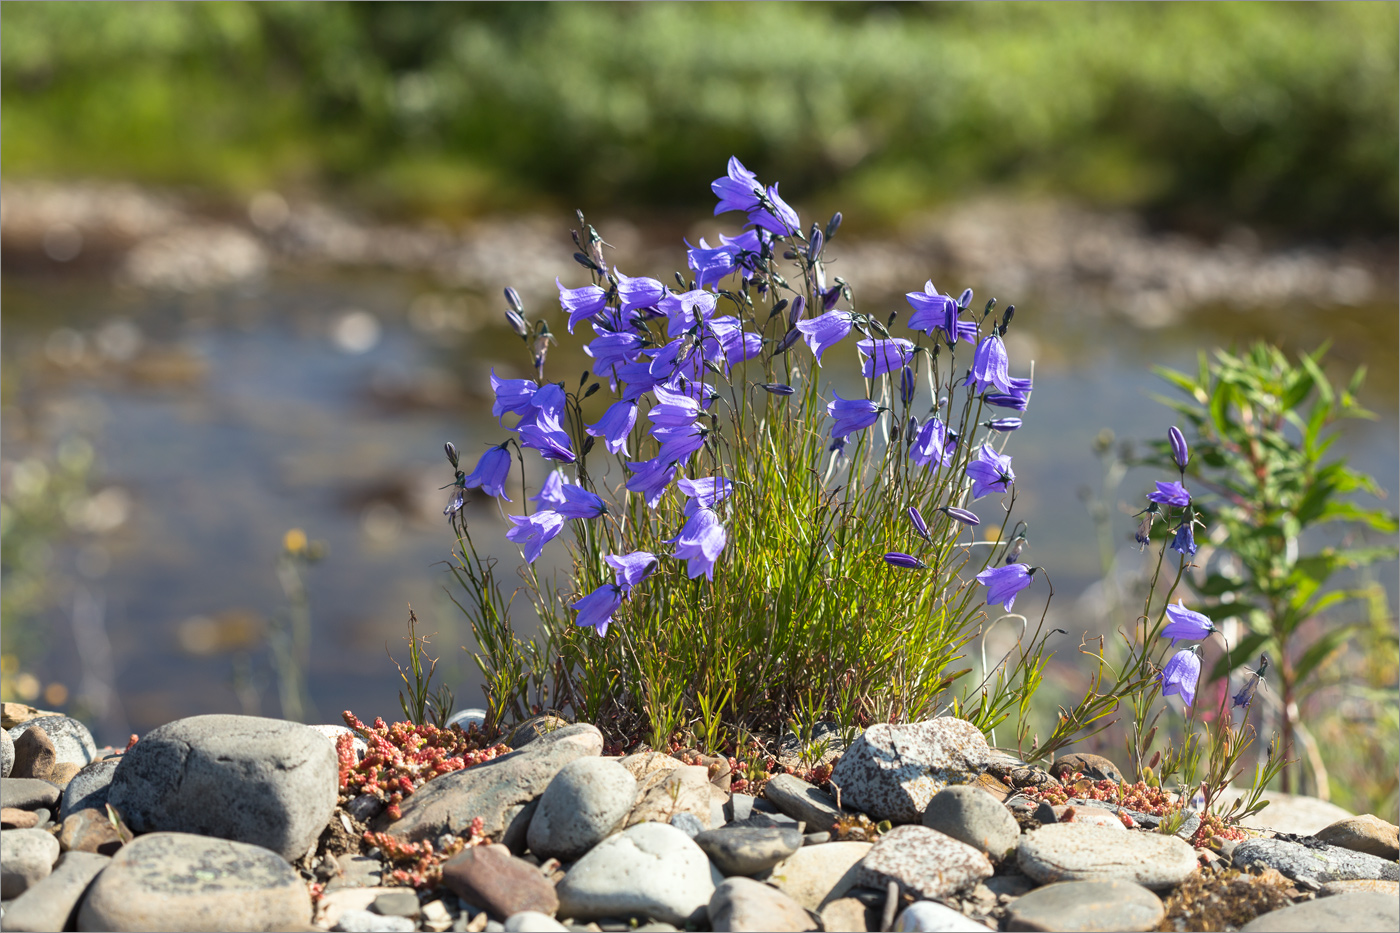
point(1281, 115)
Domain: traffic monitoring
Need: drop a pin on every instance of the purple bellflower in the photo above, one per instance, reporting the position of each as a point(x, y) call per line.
point(933, 311)
point(851, 414)
point(679, 442)
point(1180, 675)
point(907, 561)
point(597, 608)
point(551, 494)
point(673, 409)
point(748, 249)
point(960, 515)
point(705, 492)
point(581, 303)
point(639, 292)
point(1251, 683)
point(825, 331)
point(738, 191)
point(1179, 451)
point(1184, 541)
point(651, 478)
point(1017, 398)
point(990, 472)
point(512, 395)
point(631, 569)
point(933, 443)
point(989, 365)
point(615, 425)
point(685, 310)
point(1186, 624)
point(917, 520)
point(710, 265)
point(882, 356)
point(1170, 494)
point(700, 542)
point(610, 349)
point(491, 472)
point(781, 220)
point(533, 532)
point(580, 503)
point(1003, 583)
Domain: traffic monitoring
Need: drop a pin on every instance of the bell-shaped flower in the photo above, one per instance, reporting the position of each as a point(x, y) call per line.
point(777, 218)
point(990, 472)
point(544, 434)
point(580, 503)
point(686, 310)
point(933, 443)
point(1170, 494)
point(651, 478)
point(851, 414)
point(825, 331)
point(933, 311)
point(491, 472)
point(704, 492)
point(611, 349)
point(700, 542)
point(989, 366)
point(512, 395)
point(710, 265)
point(551, 494)
point(1180, 675)
point(631, 569)
point(639, 292)
point(533, 532)
point(1017, 398)
point(581, 303)
point(615, 425)
point(878, 357)
point(1003, 583)
point(679, 442)
point(738, 190)
point(1184, 541)
point(597, 608)
point(748, 248)
point(1186, 623)
point(673, 409)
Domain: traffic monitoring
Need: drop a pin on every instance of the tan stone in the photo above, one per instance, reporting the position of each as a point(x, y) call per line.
point(34, 755)
point(12, 714)
point(683, 790)
point(63, 772)
point(15, 818)
point(1367, 833)
point(845, 915)
point(89, 830)
point(1360, 886)
point(816, 875)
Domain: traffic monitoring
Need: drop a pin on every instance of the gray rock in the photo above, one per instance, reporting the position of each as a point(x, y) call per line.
point(26, 858)
point(397, 904)
point(1318, 863)
point(649, 870)
point(7, 753)
point(815, 839)
point(88, 789)
point(688, 823)
point(761, 813)
point(739, 807)
point(502, 792)
point(969, 814)
point(745, 904)
point(531, 921)
point(71, 739)
point(177, 881)
point(261, 781)
point(1087, 906)
point(1368, 833)
point(816, 875)
point(748, 851)
point(1087, 852)
point(366, 921)
point(53, 901)
point(29, 793)
point(802, 801)
point(931, 917)
point(364, 807)
point(892, 771)
point(924, 863)
point(356, 871)
point(1344, 913)
point(584, 804)
point(532, 730)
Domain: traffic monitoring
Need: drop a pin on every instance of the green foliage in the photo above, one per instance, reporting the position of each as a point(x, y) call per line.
point(1263, 427)
point(422, 706)
point(1281, 114)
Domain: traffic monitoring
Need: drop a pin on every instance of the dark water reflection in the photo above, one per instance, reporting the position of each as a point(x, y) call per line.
point(321, 401)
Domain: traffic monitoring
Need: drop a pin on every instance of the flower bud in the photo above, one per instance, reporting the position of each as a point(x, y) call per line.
point(920, 527)
point(798, 305)
point(1179, 452)
point(965, 299)
point(814, 250)
point(906, 386)
point(776, 388)
point(833, 225)
point(517, 323)
point(788, 340)
point(961, 515)
point(513, 300)
point(907, 561)
point(451, 450)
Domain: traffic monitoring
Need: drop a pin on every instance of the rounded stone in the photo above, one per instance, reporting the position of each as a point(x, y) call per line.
point(1093, 767)
point(1367, 833)
point(261, 781)
point(49, 904)
point(29, 793)
point(35, 756)
point(71, 739)
point(926, 864)
point(1087, 907)
point(532, 921)
point(26, 858)
point(88, 788)
point(969, 814)
point(585, 803)
point(648, 870)
point(491, 878)
point(7, 753)
point(932, 917)
point(745, 904)
point(1318, 863)
point(815, 875)
point(892, 771)
point(741, 850)
point(367, 921)
point(1087, 852)
point(177, 881)
point(1342, 913)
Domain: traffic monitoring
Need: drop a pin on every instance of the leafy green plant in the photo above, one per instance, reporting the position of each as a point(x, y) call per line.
point(422, 706)
point(1263, 427)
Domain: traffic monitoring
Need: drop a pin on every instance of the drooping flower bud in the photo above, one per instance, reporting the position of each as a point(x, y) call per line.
point(833, 225)
point(1179, 452)
point(513, 300)
point(799, 304)
point(907, 561)
point(906, 386)
point(920, 527)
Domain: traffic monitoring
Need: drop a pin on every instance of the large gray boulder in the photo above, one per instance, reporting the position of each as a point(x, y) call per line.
point(261, 781)
point(503, 792)
point(892, 771)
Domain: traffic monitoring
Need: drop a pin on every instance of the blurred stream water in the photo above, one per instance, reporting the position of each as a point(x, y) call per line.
point(321, 400)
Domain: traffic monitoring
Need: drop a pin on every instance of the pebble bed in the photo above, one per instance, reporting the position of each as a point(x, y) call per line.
point(241, 823)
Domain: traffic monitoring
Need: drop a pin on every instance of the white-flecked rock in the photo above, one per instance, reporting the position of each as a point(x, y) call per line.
point(585, 803)
point(650, 870)
point(262, 781)
point(88, 788)
point(532, 921)
point(970, 814)
point(7, 753)
point(72, 742)
point(26, 858)
point(1318, 863)
point(53, 901)
point(1086, 852)
point(742, 904)
point(892, 771)
point(924, 863)
point(177, 881)
point(930, 917)
point(503, 792)
point(815, 875)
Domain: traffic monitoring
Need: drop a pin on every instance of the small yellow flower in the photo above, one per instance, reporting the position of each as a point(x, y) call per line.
point(294, 541)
